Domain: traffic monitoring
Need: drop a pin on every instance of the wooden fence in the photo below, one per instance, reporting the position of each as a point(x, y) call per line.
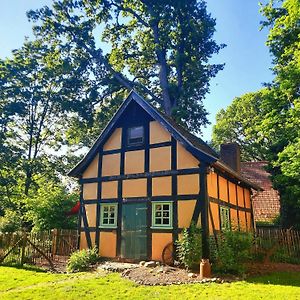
point(33, 247)
point(282, 244)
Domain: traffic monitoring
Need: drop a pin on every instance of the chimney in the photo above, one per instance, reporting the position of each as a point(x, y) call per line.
point(230, 154)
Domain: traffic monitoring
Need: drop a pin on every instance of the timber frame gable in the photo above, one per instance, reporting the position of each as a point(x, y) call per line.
point(181, 189)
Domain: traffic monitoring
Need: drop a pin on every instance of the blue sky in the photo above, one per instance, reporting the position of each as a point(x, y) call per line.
point(247, 59)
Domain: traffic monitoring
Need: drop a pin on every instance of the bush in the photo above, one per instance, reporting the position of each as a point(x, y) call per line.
point(81, 260)
point(188, 248)
point(10, 222)
point(234, 249)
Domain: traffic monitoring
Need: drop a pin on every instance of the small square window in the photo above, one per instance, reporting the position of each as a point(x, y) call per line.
point(135, 136)
point(109, 214)
point(162, 214)
point(225, 218)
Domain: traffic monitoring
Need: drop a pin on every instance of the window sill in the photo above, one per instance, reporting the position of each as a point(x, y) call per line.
point(161, 227)
point(108, 227)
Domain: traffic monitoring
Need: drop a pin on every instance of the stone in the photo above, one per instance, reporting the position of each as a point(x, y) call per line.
point(126, 272)
point(142, 263)
point(160, 270)
point(192, 275)
point(157, 263)
point(150, 264)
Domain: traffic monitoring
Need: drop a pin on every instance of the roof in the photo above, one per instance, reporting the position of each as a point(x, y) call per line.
point(266, 203)
point(192, 143)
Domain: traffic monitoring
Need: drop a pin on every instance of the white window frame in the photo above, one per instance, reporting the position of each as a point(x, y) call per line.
point(162, 226)
point(224, 218)
point(109, 205)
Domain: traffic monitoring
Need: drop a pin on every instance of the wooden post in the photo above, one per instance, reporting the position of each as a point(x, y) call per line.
point(204, 212)
point(23, 247)
point(54, 241)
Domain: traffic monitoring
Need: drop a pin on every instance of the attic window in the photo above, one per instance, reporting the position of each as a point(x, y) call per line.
point(135, 136)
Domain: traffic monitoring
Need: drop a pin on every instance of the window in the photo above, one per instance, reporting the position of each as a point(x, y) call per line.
point(162, 214)
point(225, 219)
point(135, 136)
point(109, 215)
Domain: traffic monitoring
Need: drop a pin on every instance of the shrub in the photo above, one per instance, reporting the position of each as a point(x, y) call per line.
point(234, 249)
point(188, 247)
point(81, 260)
point(10, 222)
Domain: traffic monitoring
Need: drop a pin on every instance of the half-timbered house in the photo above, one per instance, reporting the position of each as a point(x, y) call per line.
point(146, 178)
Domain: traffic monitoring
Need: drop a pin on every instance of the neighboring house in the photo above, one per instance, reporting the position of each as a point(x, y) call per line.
point(146, 178)
point(266, 203)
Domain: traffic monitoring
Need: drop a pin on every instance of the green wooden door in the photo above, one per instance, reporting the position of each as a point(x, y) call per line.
point(134, 231)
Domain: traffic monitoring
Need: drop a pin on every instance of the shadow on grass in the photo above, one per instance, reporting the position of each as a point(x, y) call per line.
point(277, 278)
point(24, 267)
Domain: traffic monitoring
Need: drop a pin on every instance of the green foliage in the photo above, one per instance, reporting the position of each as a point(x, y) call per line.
point(266, 123)
point(188, 247)
point(47, 208)
point(240, 122)
point(10, 222)
point(159, 48)
point(234, 249)
point(81, 260)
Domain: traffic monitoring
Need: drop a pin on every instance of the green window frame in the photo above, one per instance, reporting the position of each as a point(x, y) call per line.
point(108, 215)
point(162, 215)
point(224, 218)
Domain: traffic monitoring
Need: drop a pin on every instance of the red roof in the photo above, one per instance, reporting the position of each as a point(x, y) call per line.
point(266, 203)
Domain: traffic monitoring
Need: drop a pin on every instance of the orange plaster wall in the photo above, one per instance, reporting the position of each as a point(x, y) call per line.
point(92, 170)
point(247, 197)
point(160, 159)
point(135, 162)
point(234, 219)
point(249, 221)
point(223, 192)
point(110, 164)
point(91, 214)
point(232, 193)
point(114, 141)
point(135, 188)
point(212, 185)
point(158, 134)
point(188, 184)
point(159, 241)
point(83, 241)
point(185, 160)
point(90, 191)
point(108, 244)
point(185, 212)
point(240, 196)
point(162, 186)
point(215, 213)
point(242, 216)
point(109, 190)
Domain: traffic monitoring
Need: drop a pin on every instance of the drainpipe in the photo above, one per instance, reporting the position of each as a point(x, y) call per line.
point(205, 268)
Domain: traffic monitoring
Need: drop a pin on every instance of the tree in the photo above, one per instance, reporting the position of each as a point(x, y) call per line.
point(160, 48)
point(241, 122)
point(34, 107)
point(277, 125)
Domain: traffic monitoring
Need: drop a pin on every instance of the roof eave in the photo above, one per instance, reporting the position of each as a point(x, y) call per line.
point(229, 170)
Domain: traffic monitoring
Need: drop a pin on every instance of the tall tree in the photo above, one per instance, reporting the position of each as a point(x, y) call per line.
point(277, 125)
point(34, 107)
point(160, 48)
point(240, 122)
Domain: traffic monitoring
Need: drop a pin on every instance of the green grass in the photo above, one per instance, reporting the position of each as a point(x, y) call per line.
point(29, 284)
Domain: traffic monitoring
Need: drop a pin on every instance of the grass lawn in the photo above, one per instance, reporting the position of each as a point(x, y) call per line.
point(30, 284)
